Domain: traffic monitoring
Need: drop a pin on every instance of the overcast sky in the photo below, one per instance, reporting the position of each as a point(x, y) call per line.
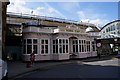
point(99, 13)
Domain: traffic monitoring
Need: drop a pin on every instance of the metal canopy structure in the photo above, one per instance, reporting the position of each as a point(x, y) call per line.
point(108, 46)
point(109, 40)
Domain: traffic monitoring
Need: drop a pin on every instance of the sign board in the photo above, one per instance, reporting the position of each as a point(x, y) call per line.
point(72, 30)
point(98, 44)
point(115, 39)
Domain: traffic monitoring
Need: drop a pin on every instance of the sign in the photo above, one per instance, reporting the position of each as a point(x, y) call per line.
point(98, 44)
point(71, 30)
point(115, 39)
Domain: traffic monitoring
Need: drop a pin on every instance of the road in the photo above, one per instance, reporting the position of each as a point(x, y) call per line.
point(94, 69)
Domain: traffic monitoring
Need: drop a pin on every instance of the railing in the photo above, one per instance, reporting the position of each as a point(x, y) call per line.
point(94, 34)
point(36, 29)
point(66, 30)
point(48, 18)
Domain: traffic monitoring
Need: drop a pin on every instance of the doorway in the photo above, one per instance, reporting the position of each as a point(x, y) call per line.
point(73, 47)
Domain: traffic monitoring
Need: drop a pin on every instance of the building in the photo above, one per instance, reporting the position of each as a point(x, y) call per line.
point(110, 38)
point(3, 8)
point(52, 38)
point(111, 30)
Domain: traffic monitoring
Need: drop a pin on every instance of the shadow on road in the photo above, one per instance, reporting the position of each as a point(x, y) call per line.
point(96, 59)
point(76, 71)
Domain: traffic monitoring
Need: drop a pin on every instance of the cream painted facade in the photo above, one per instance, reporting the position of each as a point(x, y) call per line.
point(60, 43)
point(53, 38)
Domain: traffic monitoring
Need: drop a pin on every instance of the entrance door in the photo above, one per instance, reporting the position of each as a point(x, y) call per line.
point(73, 45)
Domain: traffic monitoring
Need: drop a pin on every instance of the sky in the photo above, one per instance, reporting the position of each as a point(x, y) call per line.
point(98, 13)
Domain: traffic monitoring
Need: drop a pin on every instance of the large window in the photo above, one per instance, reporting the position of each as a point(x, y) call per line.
point(94, 46)
point(44, 46)
point(30, 45)
point(63, 45)
point(80, 46)
point(118, 25)
point(55, 46)
point(88, 46)
point(35, 45)
point(75, 46)
point(60, 45)
point(83, 46)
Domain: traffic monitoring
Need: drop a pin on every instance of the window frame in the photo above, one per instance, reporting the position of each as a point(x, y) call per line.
point(32, 44)
point(44, 44)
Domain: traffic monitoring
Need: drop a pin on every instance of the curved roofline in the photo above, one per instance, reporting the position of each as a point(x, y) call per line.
point(109, 23)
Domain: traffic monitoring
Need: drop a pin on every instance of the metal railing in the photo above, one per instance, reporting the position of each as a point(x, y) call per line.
point(48, 18)
point(94, 34)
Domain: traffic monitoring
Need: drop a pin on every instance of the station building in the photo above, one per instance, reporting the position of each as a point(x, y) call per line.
point(110, 38)
point(52, 38)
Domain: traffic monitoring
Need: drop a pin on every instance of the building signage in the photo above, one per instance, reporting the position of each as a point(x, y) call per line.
point(71, 30)
point(98, 44)
point(115, 39)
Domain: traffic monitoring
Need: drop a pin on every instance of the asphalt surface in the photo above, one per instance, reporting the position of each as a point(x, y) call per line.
point(97, 69)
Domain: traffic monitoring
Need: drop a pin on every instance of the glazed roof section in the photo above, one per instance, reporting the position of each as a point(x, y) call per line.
point(45, 18)
point(109, 24)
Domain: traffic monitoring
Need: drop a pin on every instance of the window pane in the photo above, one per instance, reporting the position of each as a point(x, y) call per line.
point(56, 48)
point(76, 48)
point(56, 41)
point(66, 41)
point(60, 41)
point(34, 40)
point(42, 49)
point(53, 41)
point(80, 48)
point(24, 41)
point(89, 47)
point(66, 48)
point(29, 49)
point(79, 41)
point(73, 48)
point(75, 41)
point(60, 49)
point(63, 41)
point(42, 41)
point(24, 49)
point(46, 46)
point(63, 48)
point(29, 41)
point(82, 41)
point(53, 48)
point(46, 51)
point(35, 49)
point(46, 41)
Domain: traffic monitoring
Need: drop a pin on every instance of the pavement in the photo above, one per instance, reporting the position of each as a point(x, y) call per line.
point(18, 68)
